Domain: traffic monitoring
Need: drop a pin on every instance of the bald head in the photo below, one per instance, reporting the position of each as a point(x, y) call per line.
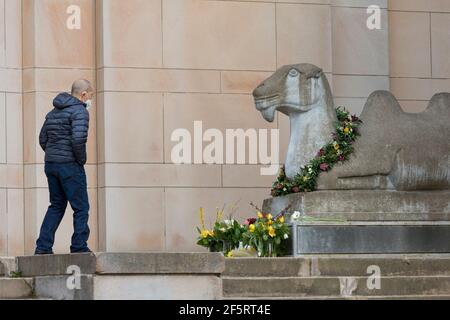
point(83, 90)
point(80, 86)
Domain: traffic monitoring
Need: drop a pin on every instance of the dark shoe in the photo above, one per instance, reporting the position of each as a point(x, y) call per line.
point(83, 251)
point(42, 253)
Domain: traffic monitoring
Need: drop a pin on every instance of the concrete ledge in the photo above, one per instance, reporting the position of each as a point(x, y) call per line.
point(160, 263)
point(50, 265)
point(367, 205)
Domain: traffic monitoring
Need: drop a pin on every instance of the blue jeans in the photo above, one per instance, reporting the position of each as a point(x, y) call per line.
point(66, 183)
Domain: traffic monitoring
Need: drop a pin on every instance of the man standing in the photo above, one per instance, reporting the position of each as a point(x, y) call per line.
point(63, 137)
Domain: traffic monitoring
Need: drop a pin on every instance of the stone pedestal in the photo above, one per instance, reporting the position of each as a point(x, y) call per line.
point(368, 221)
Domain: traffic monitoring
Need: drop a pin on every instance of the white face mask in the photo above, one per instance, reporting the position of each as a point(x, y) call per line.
point(88, 104)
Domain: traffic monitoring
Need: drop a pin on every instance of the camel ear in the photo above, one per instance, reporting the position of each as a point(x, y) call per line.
point(318, 74)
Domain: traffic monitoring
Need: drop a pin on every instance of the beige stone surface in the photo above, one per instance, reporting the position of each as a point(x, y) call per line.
point(417, 88)
point(241, 35)
point(358, 86)
point(440, 40)
point(16, 245)
point(132, 33)
point(135, 219)
point(159, 80)
point(54, 80)
point(304, 35)
point(3, 226)
point(230, 111)
point(13, 31)
point(10, 80)
point(409, 44)
point(356, 49)
point(419, 5)
point(140, 137)
point(241, 81)
point(52, 34)
point(154, 175)
point(14, 128)
point(14, 176)
point(2, 35)
point(2, 132)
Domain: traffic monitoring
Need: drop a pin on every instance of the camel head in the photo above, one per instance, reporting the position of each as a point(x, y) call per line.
point(292, 89)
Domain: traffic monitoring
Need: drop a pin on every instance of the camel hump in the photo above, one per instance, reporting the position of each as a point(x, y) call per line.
point(381, 104)
point(439, 105)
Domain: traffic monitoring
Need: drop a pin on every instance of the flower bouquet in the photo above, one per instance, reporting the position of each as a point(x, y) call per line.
point(225, 235)
point(267, 234)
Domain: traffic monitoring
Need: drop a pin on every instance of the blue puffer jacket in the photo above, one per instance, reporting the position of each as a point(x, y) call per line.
point(64, 134)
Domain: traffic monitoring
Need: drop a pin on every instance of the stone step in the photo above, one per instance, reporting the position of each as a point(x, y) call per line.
point(340, 265)
point(333, 286)
point(7, 265)
point(16, 288)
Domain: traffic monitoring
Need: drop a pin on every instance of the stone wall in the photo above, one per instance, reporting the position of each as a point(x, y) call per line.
point(159, 65)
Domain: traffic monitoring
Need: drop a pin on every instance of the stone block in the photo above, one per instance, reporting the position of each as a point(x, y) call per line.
point(55, 287)
point(160, 263)
point(48, 265)
point(157, 287)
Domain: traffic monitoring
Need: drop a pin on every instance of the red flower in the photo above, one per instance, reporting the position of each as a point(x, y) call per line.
point(250, 221)
point(324, 166)
point(280, 186)
point(296, 189)
point(341, 157)
point(320, 153)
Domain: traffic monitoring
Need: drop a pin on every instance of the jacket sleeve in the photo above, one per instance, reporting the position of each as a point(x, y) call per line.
point(80, 128)
point(43, 138)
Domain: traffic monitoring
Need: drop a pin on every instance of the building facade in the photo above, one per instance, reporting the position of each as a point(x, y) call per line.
point(160, 65)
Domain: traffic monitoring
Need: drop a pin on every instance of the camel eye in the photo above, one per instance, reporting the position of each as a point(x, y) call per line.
point(293, 73)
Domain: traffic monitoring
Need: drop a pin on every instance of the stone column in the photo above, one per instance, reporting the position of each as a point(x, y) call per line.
point(54, 56)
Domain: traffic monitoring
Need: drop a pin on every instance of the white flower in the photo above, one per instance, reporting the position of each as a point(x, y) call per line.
point(229, 222)
point(285, 236)
point(295, 216)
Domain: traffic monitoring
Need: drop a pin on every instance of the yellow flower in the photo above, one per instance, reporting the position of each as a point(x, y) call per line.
point(336, 146)
point(281, 219)
point(251, 228)
point(305, 178)
point(230, 254)
point(202, 218)
point(269, 216)
point(219, 214)
point(260, 215)
point(271, 231)
point(205, 234)
point(346, 130)
point(269, 222)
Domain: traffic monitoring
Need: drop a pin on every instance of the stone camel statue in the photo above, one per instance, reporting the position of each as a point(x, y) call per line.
point(396, 150)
